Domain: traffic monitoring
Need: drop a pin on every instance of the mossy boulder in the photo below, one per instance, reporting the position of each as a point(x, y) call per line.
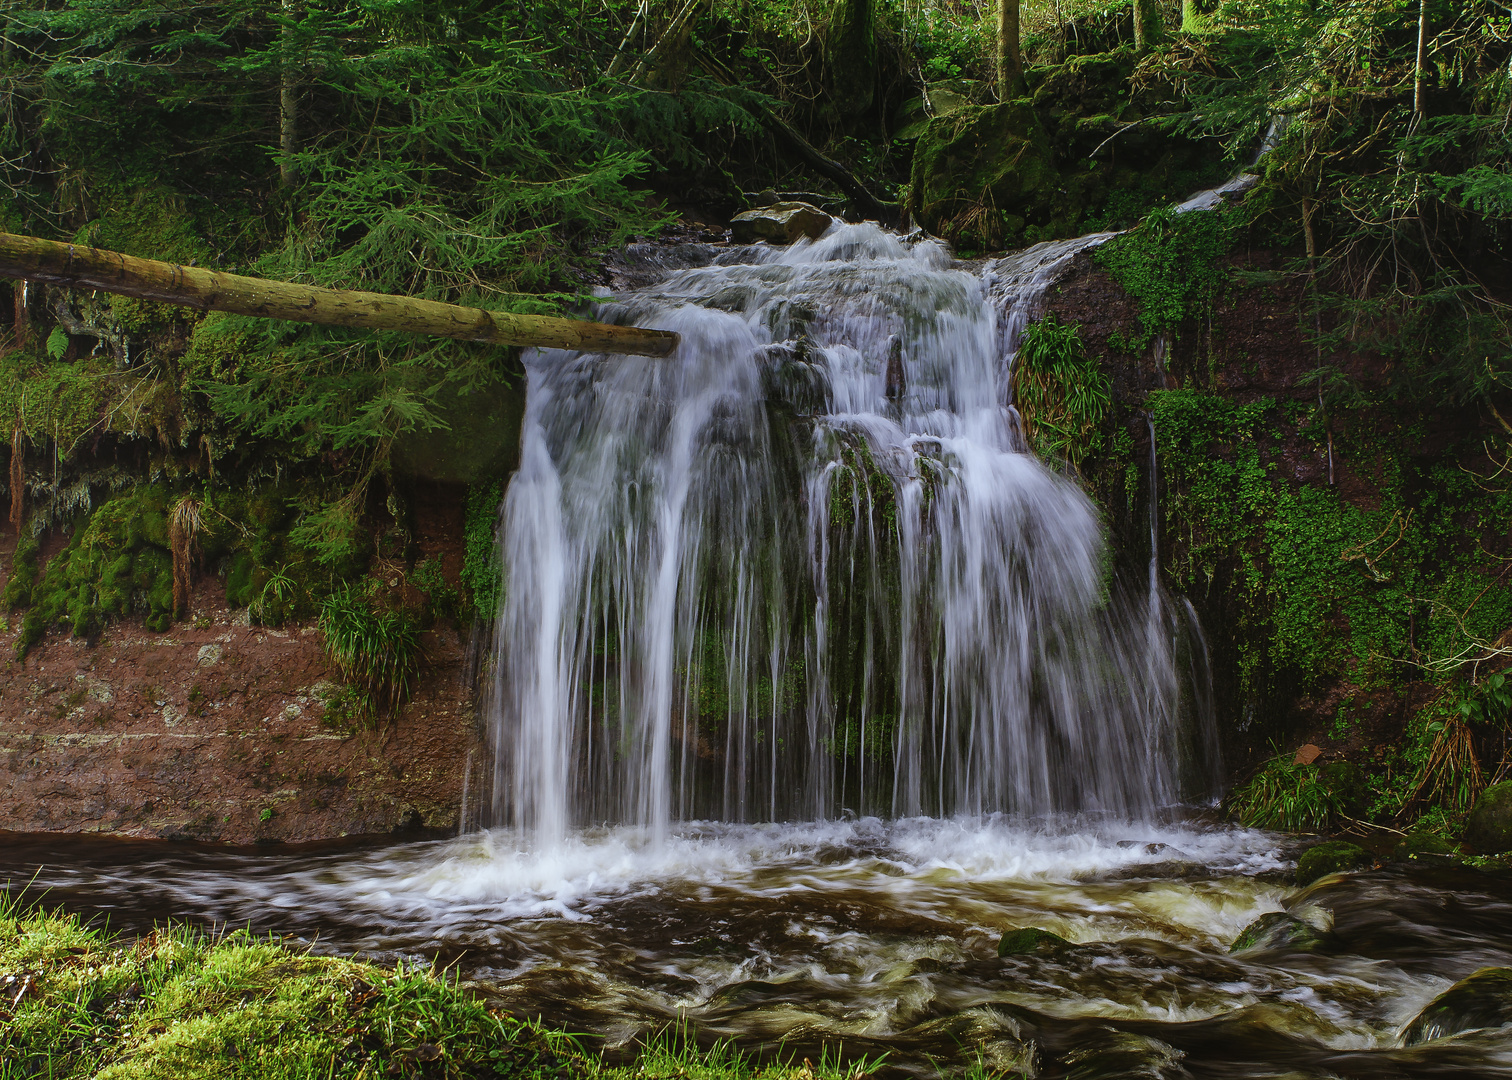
point(1030, 939)
point(1483, 1000)
point(1423, 847)
point(983, 172)
point(1277, 930)
point(1332, 857)
point(1489, 828)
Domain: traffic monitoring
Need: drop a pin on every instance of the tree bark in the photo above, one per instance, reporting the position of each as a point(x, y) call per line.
point(207, 290)
point(1419, 102)
point(1010, 65)
point(1149, 25)
point(288, 99)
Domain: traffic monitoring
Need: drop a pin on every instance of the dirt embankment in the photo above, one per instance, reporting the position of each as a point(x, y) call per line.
point(218, 730)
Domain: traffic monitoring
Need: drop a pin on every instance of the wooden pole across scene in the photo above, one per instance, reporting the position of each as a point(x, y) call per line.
point(208, 290)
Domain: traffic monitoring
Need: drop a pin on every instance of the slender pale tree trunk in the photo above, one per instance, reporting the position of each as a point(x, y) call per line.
point(288, 98)
point(1419, 100)
point(1010, 65)
point(1149, 27)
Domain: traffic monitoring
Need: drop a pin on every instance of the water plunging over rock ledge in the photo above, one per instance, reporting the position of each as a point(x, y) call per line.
point(804, 567)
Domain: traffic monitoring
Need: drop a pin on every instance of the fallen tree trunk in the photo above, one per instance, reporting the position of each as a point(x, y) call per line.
point(74, 265)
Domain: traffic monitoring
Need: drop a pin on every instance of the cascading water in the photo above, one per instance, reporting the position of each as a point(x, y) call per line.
point(803, 567)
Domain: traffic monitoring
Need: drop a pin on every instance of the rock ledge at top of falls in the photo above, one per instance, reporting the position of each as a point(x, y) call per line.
point(780, 223)
point(1482, 1000)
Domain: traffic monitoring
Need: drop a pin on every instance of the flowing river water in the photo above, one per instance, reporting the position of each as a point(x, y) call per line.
point(809, 685)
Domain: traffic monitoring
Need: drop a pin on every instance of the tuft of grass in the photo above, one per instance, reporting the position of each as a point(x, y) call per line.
point(79, 1003)
point(377, 648)
point(1284, 795)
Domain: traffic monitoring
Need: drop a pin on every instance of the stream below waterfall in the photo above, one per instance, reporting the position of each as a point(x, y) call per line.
point(868, 937)
point(809, 684)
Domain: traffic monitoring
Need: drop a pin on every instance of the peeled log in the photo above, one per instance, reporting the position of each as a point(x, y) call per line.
point(207, 290)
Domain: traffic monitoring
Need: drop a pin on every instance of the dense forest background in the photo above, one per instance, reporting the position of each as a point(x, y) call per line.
point(493, 154)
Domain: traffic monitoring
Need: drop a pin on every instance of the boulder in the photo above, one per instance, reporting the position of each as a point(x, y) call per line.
point(1422, 847)
point(981, 172)
point(1030, 939)
point(1277, 930)
point(1489, 829)
point(780, 223)
point(1332, 857)
point(1483, 1000)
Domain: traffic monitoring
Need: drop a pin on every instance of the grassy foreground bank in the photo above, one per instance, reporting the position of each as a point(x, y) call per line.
point(78, 1002)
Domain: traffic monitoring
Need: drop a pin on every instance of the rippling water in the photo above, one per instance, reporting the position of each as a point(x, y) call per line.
point(876, 936)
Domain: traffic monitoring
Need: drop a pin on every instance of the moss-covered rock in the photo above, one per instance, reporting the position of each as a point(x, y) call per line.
point(1277, 930)
point(1332, 857)
point(1030, 939)
point(1482, 1000)
point(982, 172)
point(1489, 828)
point(1423, 846)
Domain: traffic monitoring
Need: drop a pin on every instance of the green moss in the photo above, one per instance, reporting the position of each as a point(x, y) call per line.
point(178, 1005)
point(1332, 857)
point(1172, 266)
point(1030, 939)
point(482, 573)
point(23, 575)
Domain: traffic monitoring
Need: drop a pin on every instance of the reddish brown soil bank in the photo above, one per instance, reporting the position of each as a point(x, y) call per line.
point(217, 731)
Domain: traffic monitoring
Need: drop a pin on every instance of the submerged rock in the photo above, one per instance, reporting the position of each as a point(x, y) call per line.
point(780, 223)
point(1483, 1000)
point(1277, 930)
point(1489, 829)
point(1332, 857)
point(1030, 939)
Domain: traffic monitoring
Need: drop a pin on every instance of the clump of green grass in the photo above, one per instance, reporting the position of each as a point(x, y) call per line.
point(377, 648)
point(79, 1003)
point(1284, 794)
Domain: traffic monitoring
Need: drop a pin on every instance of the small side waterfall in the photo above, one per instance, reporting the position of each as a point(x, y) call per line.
point(802, 568)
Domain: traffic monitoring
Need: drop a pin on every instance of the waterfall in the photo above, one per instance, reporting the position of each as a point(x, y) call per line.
point(803, 567)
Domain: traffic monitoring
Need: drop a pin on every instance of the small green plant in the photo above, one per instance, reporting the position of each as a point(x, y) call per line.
point(377, 648)
point(444, 601)
point(271, 607)
point(1062, 394)
point(344, 708)
point(266, 815)
point(482, 575)
point(1284, 794)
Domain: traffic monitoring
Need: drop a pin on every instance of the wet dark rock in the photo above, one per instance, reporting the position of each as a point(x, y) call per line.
point(1030, 939)
point(1423, 847)
point(1332, 857)
point(1489, 829)
point(780, 223)
point(1483, 1000)
point(1277, 930)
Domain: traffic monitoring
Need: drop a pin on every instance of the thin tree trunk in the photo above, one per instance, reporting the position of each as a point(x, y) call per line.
point(622, 54)
point(206, 290)
point(18, 477)
point(1419, 102)
point(1010, 66)
point(288, 99)
point(1149, 26)
point(1191, 17)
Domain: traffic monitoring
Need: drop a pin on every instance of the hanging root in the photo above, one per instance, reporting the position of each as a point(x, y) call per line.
point(17, 478)
point(183, 528)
